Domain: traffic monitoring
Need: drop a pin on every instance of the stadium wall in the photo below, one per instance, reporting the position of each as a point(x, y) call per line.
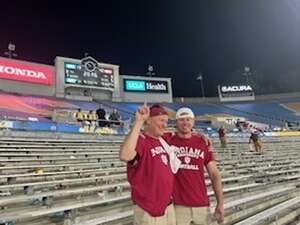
point(274, 97)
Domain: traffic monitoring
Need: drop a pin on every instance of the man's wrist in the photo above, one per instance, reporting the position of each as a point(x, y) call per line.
point(220, 205)
point(139, 123)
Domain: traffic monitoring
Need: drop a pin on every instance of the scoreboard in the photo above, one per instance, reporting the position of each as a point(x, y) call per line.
point(89, 74)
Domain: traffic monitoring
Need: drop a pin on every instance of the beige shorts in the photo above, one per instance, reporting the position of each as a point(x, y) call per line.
point(191, 215)
point(141, 217)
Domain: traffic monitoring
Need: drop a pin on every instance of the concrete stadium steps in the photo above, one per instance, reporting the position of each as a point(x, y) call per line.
point(26, 212)
point(281, 213)
point(67, 204)
point(295, 222)
point(92, 191)
point(81, 186)
point(245, 206)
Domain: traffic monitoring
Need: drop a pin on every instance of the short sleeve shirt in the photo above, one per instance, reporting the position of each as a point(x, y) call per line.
point(189, 186)
point(150, 176)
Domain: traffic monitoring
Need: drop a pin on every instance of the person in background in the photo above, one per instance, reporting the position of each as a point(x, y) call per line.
point(115, 118)
point(238, 125)
point(222, 137)
point(254, 137)
point(79, 116)
point(102, 122)
point(92, 120)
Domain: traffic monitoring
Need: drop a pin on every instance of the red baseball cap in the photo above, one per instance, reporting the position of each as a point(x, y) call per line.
point(157, 110)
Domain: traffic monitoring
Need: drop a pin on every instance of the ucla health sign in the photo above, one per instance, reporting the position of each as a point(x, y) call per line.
point(154, 86)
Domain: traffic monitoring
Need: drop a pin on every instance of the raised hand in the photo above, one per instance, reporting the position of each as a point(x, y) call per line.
point(143, 112)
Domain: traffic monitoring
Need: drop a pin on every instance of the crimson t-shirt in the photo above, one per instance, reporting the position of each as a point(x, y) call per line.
point(189, 186)
point(150, 176)
point(221, 132)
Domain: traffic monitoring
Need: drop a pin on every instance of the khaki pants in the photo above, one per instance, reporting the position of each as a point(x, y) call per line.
point(143, 218)
point(191, 215)
point(223, 142)
point(258, 146)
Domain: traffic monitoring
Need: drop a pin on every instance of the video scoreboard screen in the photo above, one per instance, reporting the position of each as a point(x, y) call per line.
point(89, 74)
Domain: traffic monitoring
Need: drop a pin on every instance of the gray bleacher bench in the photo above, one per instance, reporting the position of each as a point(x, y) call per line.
point(96, 179)
point(232, 179)
point(87, 203)
point(244, 207)
point(283, 171)
point(128, 214)
point(237, 188)
point(74, 158)
point(58, 173)
point(54, 140)
point(240, 201)
point(292, 177)
point(42, 211)
point(271, 212)
point(107, 219)
point(50, 153)
point(73, 165)
point(61, 193)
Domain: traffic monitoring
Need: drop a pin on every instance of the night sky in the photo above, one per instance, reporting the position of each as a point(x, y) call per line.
point(179, 38)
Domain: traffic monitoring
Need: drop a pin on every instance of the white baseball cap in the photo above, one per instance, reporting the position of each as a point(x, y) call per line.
point(184, 113)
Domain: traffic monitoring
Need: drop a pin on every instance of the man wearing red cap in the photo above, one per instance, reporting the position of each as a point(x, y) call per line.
point(148, 168)
point(190, 194)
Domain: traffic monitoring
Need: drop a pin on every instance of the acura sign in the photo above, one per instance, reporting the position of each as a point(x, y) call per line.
point(25, 72)
point(241, 88)
point(236, 93)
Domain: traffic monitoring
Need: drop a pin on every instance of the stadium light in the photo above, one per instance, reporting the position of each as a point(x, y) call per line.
point(200, 77)
point(150, 72)
point(11, 50)
point(247, 72)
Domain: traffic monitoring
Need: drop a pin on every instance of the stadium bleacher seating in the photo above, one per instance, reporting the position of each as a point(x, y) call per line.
point(50, 178)
point(79, 180)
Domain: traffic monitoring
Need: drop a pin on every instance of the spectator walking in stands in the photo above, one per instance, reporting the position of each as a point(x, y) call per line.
point(238, 125)
point(222, 137)
point(148, 170)
point(254, 137)
point(114, 118)
point(102, 122)
point(190, 193)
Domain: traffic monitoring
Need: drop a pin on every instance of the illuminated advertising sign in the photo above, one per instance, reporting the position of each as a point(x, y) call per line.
point(26, 72)
point(89, 73)
point(236, 93)
point(235, 89)
point(135, 85)
point(153, 86)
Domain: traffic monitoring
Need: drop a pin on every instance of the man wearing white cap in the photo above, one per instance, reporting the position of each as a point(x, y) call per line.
point(190, 194)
